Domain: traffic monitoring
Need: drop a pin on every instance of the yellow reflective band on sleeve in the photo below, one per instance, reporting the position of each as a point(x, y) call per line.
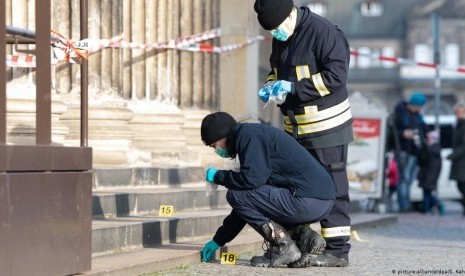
point(335, 232)
point(273, 77)
point(320, 85)
point(302, 71)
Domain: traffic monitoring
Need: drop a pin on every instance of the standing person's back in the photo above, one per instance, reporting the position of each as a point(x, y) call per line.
point(428, 174)
point(457, 171)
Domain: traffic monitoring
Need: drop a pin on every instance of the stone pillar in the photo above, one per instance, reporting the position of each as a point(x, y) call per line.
point(159, 138)
point(206, 155)
point(238, 69)
point(109, 132)
point(21, 108)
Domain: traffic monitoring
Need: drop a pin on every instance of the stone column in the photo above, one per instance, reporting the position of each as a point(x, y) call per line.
point(138, 55)
point(21, 108)
point(127, 71)
point(61, 24)
point(186, 57)
point(151, 37)
point(238, 69)
point(206, 155)
point(109, 134)
point(159, 139)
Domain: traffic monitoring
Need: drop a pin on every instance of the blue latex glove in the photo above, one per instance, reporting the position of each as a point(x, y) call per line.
point(281, 87)
point(209, 250)
point(210, 174)
point(264, 93)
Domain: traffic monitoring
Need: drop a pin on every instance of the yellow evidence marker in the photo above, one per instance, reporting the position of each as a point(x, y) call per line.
point(228, 258)
point(166, 211)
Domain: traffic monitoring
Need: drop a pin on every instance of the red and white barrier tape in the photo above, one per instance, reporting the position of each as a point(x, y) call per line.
point(69, 51)
point(20, 61)
point(178, 43)
point(402, 61)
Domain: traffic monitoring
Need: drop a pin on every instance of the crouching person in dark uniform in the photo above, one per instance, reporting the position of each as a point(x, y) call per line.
point(279, 190)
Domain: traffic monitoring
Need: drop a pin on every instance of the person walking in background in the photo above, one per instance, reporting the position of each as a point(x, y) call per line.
point(309, 63)
point(392, 173)
point(457, 170)
point(428, 174)
point(410, 129)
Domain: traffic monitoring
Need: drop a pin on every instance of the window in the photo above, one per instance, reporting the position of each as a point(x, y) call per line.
point(375, 62)
point(318, 8)
point(364, 59)
point(352, 59)
point(422, 53)
point(372, 8)
point(451, 55)
point(388, 52)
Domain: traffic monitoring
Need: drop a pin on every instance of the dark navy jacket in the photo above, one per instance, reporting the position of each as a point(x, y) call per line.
point(269, 156)
point(316, 60)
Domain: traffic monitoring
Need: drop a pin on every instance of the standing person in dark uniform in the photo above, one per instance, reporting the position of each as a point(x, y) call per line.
point(309, 63)
point(278, 190)
point(411, 130)
point(457, 170)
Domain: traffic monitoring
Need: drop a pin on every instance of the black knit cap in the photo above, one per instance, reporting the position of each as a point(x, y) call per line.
point(216, 126)
point(271, 13)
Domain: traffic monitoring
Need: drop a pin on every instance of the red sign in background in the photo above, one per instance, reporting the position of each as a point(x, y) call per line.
point(367, 128)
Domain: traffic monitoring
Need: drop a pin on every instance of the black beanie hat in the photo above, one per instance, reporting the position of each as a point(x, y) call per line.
point(216, 126)
point(271, 13)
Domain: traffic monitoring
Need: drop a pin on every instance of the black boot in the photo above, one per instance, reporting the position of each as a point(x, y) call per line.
point(282, 249)
point(309, 242)
point(328, 260)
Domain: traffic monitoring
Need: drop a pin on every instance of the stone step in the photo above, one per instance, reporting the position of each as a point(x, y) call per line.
point(147, 177)
point(123, 203)
point(159, 258)
point(131, 221)
point(125, 234)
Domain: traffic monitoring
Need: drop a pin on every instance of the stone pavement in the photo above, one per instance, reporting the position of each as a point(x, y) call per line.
point(185, 254)
point(417, 245)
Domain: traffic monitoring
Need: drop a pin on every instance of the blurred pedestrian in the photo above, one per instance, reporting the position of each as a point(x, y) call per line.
point(393, 178)
point(428, 174)
point(410, 130)
point(457, 171)
point(309, 63)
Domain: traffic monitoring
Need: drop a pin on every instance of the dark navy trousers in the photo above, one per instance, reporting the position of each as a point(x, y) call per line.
point(335, 227)
point(260, 205)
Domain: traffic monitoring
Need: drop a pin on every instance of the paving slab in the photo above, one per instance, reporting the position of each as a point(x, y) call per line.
point(168, 256)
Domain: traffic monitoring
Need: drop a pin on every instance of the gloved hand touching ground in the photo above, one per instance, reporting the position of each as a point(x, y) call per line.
point(208, 250)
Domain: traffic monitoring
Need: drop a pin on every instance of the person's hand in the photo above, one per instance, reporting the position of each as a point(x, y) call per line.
point(209, 250)
point(210, 174)
point(280, 90)
point(264, 93)
point(408, 134)
point(281, 87)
